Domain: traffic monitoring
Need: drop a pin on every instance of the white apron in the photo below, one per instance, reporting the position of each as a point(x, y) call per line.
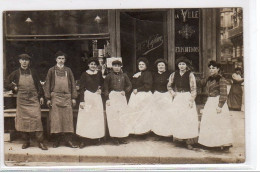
point(185, 119)
point(117, 117)
point(215, 129)
point(91, 122)
point(140, 111)
point(162, 114)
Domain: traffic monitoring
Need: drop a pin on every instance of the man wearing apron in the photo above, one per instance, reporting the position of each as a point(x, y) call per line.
point(60, 92)
point(26, 84)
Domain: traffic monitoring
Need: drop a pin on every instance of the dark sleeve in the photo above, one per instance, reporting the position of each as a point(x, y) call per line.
point(147, 82)
point(74, 93)
point(10, 82)
point(47, 85)
point(106, 86)
point(82, 87)
point(223, 92)
point(128, 85)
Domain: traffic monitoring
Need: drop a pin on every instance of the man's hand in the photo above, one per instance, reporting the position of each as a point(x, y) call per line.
point(123, 93)
point(108, 102)
point(41, 101)
point(73, 102)
point(49, 104)
point(15, 88)
point(81, 105)
point(135, 91)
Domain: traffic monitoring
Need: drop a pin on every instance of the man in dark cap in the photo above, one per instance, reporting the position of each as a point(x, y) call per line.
point(60, 92)
point(25, 82)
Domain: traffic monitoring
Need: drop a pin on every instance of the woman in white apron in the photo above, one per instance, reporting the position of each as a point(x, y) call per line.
point(116, 85)
point(162, 101)
point(140, 102)
point(90, 123)
point(182, 86)
point(215, 126)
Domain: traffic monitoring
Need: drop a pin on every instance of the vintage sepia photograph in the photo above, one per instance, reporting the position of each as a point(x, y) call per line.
point(97, 87)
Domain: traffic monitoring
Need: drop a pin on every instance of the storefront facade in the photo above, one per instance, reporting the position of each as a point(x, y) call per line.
point(153, 33)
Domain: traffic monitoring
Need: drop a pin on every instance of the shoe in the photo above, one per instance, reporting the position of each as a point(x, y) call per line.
point(82, 145)
point(71, 145)
point(42, 146)
point(56, 144)
point(26, 145)
point(190, 147)
point(115, 142)
point(122, 141)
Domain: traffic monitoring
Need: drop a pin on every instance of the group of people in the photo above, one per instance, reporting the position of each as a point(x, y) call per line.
point(161, 102)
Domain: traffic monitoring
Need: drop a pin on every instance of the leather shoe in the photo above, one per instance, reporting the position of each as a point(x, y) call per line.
point(56, 144)
point(82, 145)
point(71, 145)
point(26, 145)
point(42, 146)
point(122, 141)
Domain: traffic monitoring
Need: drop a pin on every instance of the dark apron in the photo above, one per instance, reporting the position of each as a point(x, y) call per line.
point(61, 114)
point(28, 113)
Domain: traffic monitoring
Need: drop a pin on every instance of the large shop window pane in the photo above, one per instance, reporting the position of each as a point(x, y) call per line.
point(56, 22)
point(187, 32)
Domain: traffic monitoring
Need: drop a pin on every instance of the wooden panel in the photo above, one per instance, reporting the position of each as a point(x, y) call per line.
point(171, 39)
point(112, 31)
point(118, 45)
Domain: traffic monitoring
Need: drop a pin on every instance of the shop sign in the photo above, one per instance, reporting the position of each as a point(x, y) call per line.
point(150, 44)
point(187, 34)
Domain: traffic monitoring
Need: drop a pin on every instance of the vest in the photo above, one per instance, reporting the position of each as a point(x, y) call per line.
point(181, 83)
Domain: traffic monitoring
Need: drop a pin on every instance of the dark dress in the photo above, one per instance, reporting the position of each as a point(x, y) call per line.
point(90, 123)
point(235, 95)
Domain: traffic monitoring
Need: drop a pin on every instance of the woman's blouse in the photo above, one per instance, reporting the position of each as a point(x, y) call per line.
point(173, 84)
point(144, 82)
point(160, 81)
point(90, 82)
point(217, 86)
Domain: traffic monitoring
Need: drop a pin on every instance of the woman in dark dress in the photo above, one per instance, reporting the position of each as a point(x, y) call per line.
point(90, 124)
point(162, 100)
point(141, 99)
point(235, 95)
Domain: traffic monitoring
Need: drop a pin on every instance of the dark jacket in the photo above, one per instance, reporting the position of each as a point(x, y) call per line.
point(13, 80)
point(50, 83)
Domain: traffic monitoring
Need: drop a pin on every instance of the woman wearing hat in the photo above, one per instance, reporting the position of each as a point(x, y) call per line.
point(25, 82)
point(141, 99)
point(162, 100)
point(182, 86)
point(235, 95)
point(215, 126)
point(90, 123)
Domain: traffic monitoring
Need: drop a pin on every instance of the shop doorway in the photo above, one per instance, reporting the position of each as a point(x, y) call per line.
point(142, 34)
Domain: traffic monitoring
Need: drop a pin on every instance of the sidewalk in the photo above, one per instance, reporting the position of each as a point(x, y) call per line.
point(137, 151)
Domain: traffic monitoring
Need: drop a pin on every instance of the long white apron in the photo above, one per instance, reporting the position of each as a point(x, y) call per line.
point(140, 112)
point(215, 129)
point(117, 117)
point(162, 114)
point(91, 122)
point(185, 119)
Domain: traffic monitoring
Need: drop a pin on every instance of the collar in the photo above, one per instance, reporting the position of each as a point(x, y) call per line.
point(90, 72)
point(60, 66)
point(214, 77)
point(161, 72)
